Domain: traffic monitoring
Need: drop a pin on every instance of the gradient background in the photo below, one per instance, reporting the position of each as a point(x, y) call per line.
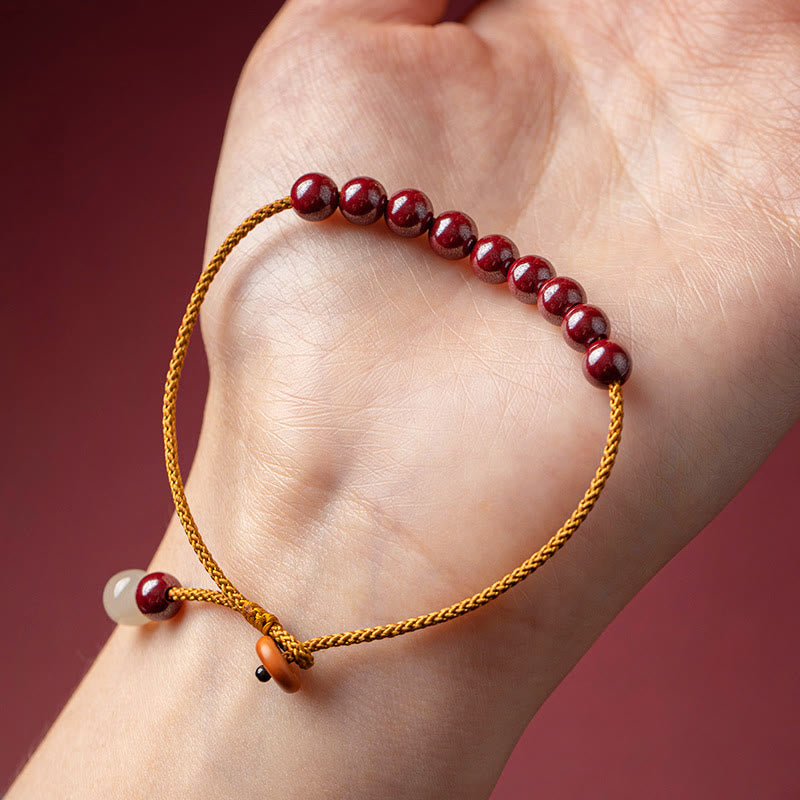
point(113, 119)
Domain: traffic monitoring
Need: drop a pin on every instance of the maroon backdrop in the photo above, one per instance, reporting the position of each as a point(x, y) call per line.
point(113, 118)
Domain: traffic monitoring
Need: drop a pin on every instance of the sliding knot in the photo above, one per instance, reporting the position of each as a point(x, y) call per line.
point(293, 649)
point(260, 619)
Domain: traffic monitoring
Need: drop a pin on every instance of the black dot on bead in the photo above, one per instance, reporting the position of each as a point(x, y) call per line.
point(262, 674)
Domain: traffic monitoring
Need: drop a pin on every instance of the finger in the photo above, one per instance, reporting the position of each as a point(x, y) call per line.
point(499, 18)
point(421, 12)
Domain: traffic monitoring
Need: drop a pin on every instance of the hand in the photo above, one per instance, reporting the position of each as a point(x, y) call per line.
point(425, 431)
point(385, 434)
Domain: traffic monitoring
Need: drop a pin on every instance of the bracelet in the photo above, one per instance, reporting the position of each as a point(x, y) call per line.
point(133, 597)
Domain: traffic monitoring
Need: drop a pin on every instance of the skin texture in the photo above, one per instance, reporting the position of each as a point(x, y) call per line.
point(385, 434)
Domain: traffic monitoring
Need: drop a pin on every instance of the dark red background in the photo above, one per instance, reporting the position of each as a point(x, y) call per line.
point(113, 118)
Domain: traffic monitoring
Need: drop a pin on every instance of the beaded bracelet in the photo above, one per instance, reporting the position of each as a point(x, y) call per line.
point(133, 597)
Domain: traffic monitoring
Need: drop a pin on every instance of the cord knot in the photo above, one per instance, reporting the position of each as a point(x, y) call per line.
point(293, 649)
point(258, 617)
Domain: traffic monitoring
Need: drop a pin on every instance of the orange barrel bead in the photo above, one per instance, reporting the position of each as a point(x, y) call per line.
point(286, 675)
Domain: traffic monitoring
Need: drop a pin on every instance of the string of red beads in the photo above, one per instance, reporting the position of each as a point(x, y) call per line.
point(494, 259)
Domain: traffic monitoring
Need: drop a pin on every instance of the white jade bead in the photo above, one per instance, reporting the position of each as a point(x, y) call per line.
point(119, 598)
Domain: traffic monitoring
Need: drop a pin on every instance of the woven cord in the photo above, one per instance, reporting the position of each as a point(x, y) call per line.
point(228, 595)
point(295, 650)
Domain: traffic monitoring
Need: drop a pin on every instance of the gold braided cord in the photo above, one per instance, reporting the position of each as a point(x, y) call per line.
point(205, 595)
point(228, 595)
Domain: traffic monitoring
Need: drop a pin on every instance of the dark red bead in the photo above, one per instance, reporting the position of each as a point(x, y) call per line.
point(453, 235)
point(409, 213)
point(362, 201)
point(151, 596)
point(583, 325)
point(314, 196)
point(492, 256)
point(605, 362)
point(557, 296)
point(527, 275)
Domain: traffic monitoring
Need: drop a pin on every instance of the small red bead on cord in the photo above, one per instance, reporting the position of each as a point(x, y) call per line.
point(491, 258)
point(409, 213)
point(453, 235)
point(605, 362)
point(527, 275)
point(362, 201)
point(314, 196)
point(152, 598)
point(584, 325)
point(557, 296)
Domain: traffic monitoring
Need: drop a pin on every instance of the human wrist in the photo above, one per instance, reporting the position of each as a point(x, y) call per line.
point(180, 697)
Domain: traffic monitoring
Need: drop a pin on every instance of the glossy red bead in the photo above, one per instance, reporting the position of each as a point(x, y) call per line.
point(583, 325)
point(362, 201)
point(557, 296)
point(527, 275)
point(492, 256)
point(409, 213)
point(151, 596)
point(453, 235)
point(605, 362)
point(314, 196)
